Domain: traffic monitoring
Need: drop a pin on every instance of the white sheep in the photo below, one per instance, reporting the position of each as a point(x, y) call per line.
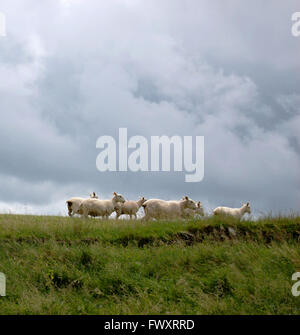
point(235, 212)
point(103, 208)
point(74, 203)
point(161, 209)
point(191, 213)
point(129, 207)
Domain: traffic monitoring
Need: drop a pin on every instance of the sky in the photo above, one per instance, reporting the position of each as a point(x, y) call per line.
point(74, 70)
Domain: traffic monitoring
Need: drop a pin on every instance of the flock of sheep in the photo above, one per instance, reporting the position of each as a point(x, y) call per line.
point(153, 208)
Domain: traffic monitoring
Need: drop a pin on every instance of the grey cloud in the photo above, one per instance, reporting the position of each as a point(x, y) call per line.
point(177, 67)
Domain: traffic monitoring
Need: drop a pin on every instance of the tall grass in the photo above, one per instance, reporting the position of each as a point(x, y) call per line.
point(57, 265)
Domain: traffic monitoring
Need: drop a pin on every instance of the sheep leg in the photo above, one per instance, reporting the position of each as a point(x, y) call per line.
point(146, 217)
point(85, 214)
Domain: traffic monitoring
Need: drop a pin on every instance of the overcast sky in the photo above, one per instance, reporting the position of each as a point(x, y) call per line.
point(71, 71)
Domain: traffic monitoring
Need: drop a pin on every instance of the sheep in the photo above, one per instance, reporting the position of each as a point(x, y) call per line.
point(161, 209)
point(103, 208)
point(129, 207)
point(74, 203)
point(190, 213)
point(94, 195)
point(235, 212)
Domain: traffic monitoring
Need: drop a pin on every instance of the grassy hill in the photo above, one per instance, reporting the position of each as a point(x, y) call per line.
point(60, 265)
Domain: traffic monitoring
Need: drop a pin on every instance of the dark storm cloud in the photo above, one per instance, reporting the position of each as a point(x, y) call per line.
point(71, 71)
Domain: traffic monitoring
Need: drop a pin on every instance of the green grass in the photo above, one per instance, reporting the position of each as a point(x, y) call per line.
point(59, 265)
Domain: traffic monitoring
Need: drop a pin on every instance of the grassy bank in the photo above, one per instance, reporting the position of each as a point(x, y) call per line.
point(57, 265)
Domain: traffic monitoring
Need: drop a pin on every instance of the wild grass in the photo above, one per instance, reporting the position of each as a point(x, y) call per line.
point(60, 265)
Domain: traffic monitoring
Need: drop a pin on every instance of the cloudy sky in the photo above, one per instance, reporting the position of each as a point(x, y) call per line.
point(71, 71)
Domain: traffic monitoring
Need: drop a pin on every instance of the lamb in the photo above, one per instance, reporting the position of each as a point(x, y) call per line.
point(190, 213)
point(235, 212)
point(129, 207)
point(161, 209)
point(74, 203)
point(103, 208)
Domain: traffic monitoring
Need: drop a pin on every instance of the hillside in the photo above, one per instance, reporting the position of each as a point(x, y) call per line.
point(61, 265)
